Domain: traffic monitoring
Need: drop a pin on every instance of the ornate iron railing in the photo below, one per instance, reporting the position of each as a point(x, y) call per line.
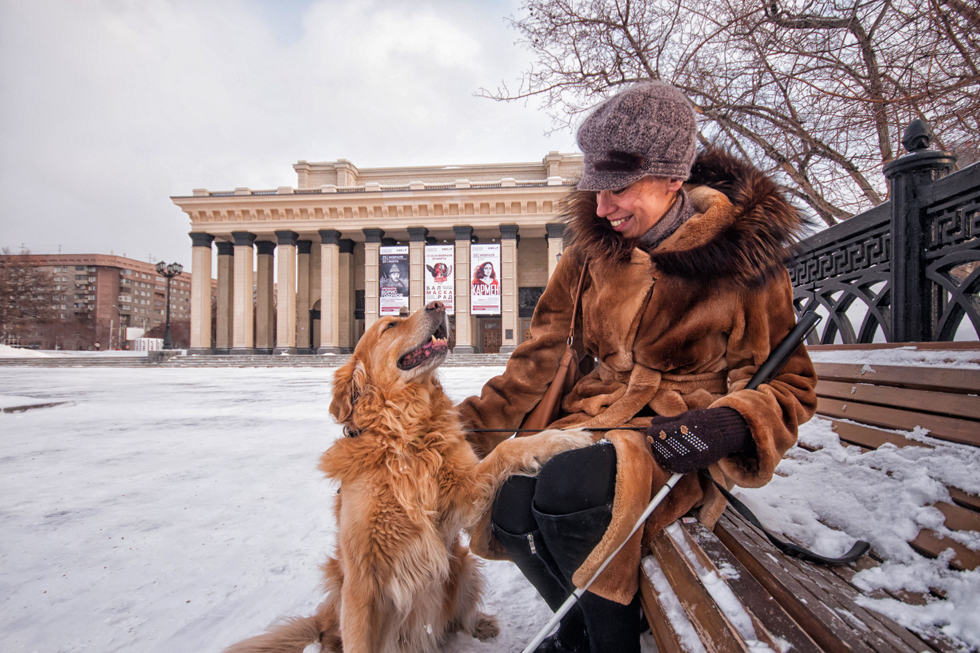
point(908, 270)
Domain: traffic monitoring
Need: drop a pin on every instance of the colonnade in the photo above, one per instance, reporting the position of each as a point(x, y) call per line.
point(308, 273)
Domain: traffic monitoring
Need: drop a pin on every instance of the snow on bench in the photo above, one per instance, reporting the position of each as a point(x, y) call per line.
point(891, 424)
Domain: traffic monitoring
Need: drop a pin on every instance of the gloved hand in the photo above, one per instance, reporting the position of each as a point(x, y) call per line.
point(698, 438)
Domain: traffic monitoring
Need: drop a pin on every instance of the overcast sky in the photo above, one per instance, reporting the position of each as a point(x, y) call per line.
point(109, 107)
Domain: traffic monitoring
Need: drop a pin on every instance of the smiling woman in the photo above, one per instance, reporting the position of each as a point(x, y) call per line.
point(683, 291)
point(634, 210)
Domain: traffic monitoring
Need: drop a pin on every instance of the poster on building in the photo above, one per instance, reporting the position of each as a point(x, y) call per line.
point(393, 273)
point(485, 279)
point(439, 261)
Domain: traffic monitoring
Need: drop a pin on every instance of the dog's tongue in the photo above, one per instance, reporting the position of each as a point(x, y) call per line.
point(416, 356)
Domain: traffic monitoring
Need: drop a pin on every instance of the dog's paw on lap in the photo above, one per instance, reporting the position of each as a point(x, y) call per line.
point(566, 440)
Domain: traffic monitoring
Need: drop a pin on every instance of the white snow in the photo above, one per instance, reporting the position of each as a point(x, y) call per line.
point(672, 608)
point(6, 351)
point(16, 352)
point(909, 355)
point(181, 509)
point(719, 590)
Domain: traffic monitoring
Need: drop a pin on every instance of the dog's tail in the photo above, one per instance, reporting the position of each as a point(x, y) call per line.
point(294, 634)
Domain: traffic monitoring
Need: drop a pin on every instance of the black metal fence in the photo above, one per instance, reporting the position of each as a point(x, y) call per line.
point(908, 270)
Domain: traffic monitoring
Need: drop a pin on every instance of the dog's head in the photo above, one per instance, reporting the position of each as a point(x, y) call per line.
point(393, 353)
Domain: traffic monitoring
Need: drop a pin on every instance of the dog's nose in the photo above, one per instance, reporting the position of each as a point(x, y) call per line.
point(435, 306)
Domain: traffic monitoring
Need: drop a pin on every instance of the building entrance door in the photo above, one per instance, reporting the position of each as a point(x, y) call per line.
point(525, 329)
point(315, 328)
point(490, 335)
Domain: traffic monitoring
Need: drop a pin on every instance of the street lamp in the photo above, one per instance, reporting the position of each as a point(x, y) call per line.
point(168, 271)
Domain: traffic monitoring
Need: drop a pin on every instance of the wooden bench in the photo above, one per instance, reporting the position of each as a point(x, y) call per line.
point(729, 587)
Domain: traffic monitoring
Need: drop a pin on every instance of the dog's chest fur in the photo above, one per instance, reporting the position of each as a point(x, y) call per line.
point(396, 492)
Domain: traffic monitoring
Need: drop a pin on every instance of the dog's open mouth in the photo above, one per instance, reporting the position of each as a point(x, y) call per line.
point(438, 345)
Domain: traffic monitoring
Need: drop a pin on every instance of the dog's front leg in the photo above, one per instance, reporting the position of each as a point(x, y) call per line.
point(526, 456)
point(359, 630)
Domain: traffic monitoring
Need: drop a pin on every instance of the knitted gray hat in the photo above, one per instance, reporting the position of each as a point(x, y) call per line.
point(648, 129)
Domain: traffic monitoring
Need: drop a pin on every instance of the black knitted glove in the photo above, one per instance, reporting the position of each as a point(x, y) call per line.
point(696, 439)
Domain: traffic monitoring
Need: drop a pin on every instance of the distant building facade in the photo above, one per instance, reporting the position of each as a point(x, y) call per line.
point(113, 293)
point(343, 240)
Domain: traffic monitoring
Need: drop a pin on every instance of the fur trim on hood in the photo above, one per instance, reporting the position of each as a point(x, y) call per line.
point(743, 240)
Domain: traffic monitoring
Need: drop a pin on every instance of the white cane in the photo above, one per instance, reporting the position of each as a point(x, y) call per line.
point(779, 356)
point(570, 601)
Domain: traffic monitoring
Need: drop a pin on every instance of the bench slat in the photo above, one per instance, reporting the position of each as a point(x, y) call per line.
point(871, 438)
point(757, 601)
point(795, 587)
point(963, 499)
point(879, 631)
point(660, 624)
point(824, 626)
point(705, 567)
point(931, 544)
point(945, 403)
point(959, 518)
point(942, 379)
point(944, 428)
point(717, 634)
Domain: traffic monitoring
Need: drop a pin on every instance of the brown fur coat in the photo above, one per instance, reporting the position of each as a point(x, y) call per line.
point(684, 326)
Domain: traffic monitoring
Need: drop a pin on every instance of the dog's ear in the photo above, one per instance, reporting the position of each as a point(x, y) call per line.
point(348, 384)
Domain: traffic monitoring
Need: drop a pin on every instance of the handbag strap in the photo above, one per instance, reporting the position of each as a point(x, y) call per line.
point(575, 302)
point(859, 549)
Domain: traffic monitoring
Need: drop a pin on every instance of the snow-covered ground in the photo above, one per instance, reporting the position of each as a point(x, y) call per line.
point(181, 510)
point(18, 352)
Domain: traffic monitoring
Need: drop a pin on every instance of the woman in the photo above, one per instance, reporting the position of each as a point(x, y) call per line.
point(484, 275)
point(684, 295)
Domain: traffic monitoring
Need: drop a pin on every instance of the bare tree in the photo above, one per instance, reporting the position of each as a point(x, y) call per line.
point(815, 91)
point(26, 299)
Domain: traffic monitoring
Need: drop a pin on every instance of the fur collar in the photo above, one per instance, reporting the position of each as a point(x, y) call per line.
point(743, 230)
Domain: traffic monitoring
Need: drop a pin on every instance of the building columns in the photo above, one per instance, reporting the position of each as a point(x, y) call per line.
point(416, 267)
point(556, 245)
point(200, 293)
point(464, 329)
point(372, 247)
point(329, 292)
point(508, 288)
point(243, 329)
point(303, 283)
point(224, 318)
point(264, 305)
point(345, 309)
point(285, 340)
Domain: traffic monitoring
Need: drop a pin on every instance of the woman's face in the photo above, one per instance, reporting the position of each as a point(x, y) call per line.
point(487, 270)
point(633, 210)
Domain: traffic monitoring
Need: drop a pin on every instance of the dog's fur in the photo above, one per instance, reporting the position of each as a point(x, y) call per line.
point(400, 579)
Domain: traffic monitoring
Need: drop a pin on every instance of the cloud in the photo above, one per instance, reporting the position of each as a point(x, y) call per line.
point(112, 106)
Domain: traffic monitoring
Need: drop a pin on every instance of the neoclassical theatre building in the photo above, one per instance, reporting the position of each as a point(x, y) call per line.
point(306, 269)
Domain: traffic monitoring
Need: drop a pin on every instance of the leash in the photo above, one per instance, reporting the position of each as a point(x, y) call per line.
point(605, 428)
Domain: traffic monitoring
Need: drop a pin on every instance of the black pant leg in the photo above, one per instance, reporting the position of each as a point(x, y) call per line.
point(573, 507)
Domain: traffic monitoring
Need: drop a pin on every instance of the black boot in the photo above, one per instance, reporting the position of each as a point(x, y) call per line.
point(527, 551)
point(612, 627)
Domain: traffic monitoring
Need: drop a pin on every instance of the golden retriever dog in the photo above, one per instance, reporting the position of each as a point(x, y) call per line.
point(400, 579)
